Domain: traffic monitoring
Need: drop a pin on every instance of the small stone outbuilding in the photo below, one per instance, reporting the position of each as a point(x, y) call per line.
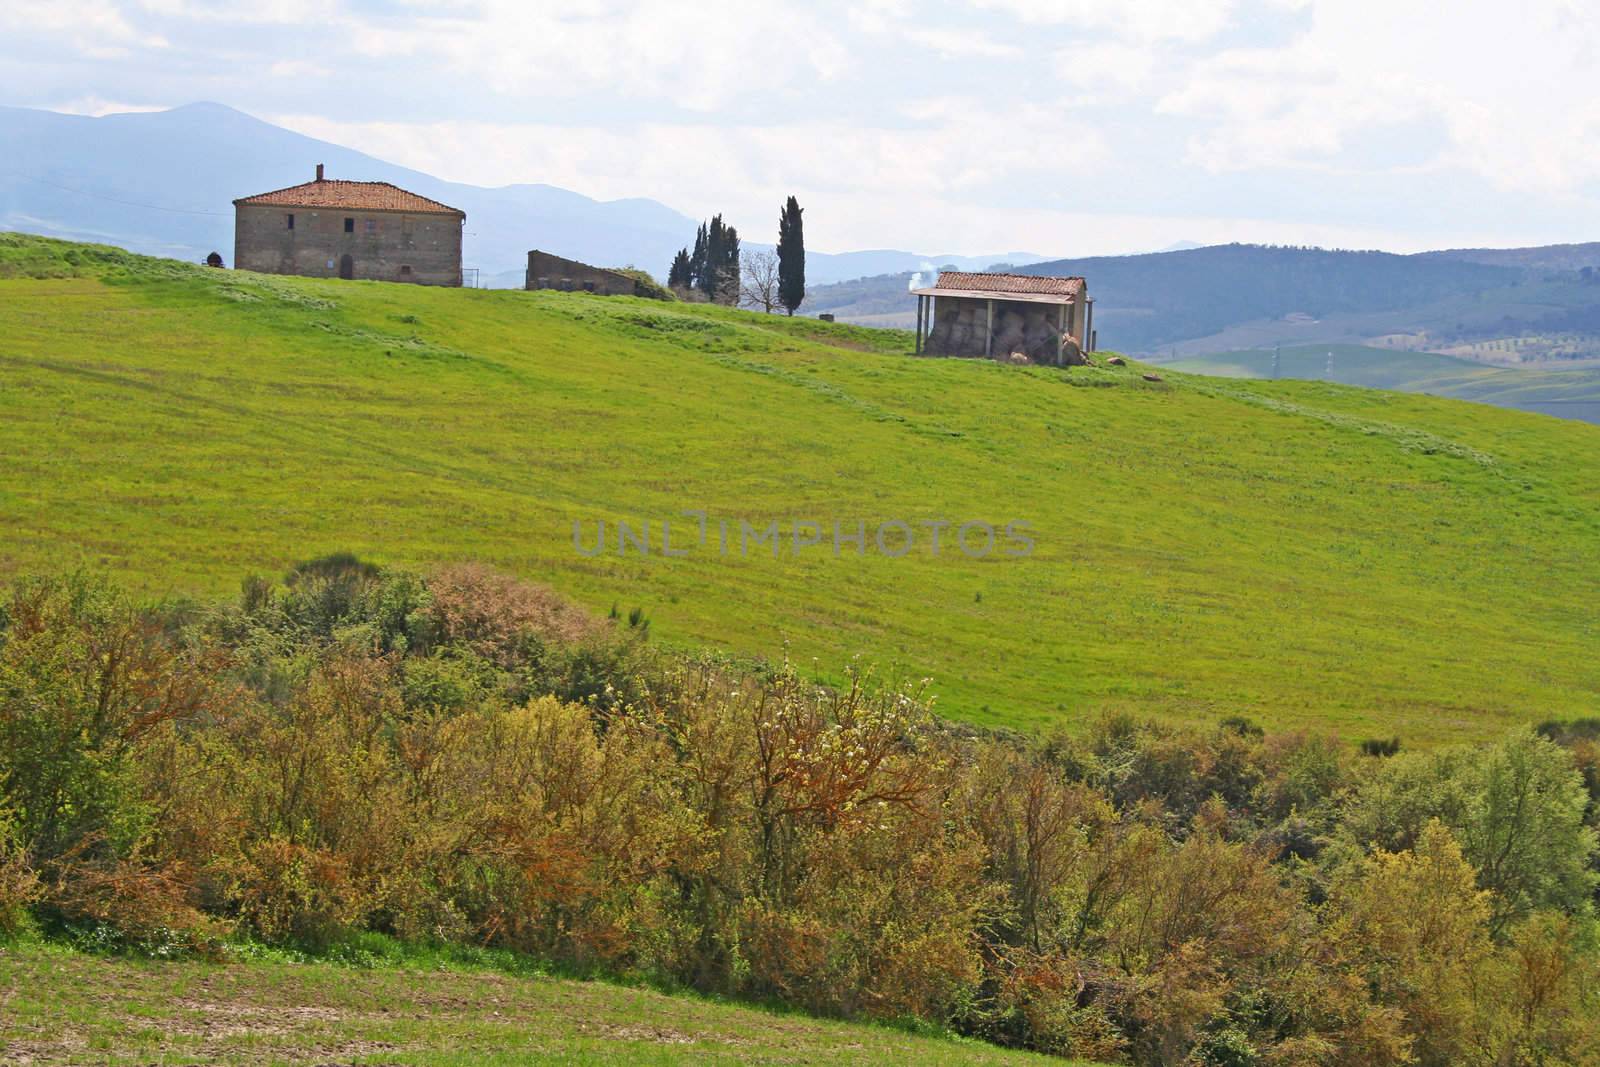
point(547, 271)
point(1016, 317)
point(342, 229)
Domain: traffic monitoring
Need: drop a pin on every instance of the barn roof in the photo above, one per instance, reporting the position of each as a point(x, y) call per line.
point(975, 283)
point(354, 196)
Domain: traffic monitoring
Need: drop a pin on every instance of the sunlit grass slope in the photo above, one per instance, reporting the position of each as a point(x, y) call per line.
point(1303, 553)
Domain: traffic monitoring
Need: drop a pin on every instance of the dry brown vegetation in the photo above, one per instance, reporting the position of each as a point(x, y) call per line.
point(460, 757)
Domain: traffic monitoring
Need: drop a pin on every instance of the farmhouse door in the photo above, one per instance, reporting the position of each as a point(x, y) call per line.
point(347, 267)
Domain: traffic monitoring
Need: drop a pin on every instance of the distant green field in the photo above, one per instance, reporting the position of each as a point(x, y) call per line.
point(58, 1007)
point(1573, 393)
point(1303, 553)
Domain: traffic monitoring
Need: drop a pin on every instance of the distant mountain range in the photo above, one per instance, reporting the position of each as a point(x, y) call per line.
point(164, 182)
point(1497, 305)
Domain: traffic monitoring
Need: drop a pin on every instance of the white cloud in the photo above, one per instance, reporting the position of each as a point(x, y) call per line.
point(97, 107)
point(856, 192)
point(955, 154)
point(949, 42)
point(713, 57)
point(1503, 86)
point(98, 29)
point(243, 12)
point(1117, 67)
point(1143, 20)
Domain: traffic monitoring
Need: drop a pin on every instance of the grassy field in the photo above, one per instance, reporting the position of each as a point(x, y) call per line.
point(60, 1007)
point(1569, 393)
point(1303, 553)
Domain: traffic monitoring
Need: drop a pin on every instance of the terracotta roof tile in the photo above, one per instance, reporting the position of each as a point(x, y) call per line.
point(1009, 283)
point(356, 196)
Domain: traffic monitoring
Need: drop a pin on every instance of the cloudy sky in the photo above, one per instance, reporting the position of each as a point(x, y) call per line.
point(1066, 127)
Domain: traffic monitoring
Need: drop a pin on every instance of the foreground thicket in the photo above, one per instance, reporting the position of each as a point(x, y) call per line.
point(460, 757)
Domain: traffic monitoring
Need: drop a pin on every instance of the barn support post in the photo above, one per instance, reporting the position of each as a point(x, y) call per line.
point(988, 341)
point(1088, 325)
point(1061, 331)
point(922, 302)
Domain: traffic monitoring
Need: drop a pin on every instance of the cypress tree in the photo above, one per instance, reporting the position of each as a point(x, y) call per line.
point(713, 266)
point(678, 276)
point(791, 257)
point(697, 260)
point(729, 280)
point(710, 276)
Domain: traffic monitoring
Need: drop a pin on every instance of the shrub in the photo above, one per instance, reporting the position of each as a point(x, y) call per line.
point(134, 904)
point(645, 285)
point(1418, 927)
point(84, 676)
point(1377, 746)
point(19, 883)
point(1518, 809)
point(358, 753)
point(294, 893)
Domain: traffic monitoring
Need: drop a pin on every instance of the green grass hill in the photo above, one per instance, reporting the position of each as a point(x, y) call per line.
point(1304, 553)
point(1567, 392)
point(62, 1007)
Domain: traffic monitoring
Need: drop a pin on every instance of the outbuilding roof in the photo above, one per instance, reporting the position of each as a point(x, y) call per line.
point(977, 282)
point(353, 196)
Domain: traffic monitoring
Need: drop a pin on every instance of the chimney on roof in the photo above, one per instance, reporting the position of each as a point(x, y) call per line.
point(319, 172)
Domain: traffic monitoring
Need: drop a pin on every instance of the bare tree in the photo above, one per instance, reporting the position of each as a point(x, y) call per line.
point(758, 284)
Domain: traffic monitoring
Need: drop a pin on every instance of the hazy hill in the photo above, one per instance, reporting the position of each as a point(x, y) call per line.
point(1305, 553)
point(1147, 301)
point(1144, 302)
point(163, 183)
point(1569, 393)
point(1545, 257)
point(1504, 306)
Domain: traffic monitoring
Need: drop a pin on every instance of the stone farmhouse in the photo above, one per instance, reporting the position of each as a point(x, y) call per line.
point(343, 229)
point(1017, 317)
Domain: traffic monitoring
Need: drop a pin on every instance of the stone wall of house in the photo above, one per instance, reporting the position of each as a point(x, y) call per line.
point(553, 272)
point(1022, 330)
point(385, 246)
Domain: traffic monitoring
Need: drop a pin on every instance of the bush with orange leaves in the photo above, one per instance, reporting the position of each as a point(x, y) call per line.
point(474, 606)
point(563, 834)
point(86, 676)
point(830, 874)
point(20, 888)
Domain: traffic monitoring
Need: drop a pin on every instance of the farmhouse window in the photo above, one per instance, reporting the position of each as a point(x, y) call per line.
point(372, 225)
point(289, 219)
point(349, 225)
